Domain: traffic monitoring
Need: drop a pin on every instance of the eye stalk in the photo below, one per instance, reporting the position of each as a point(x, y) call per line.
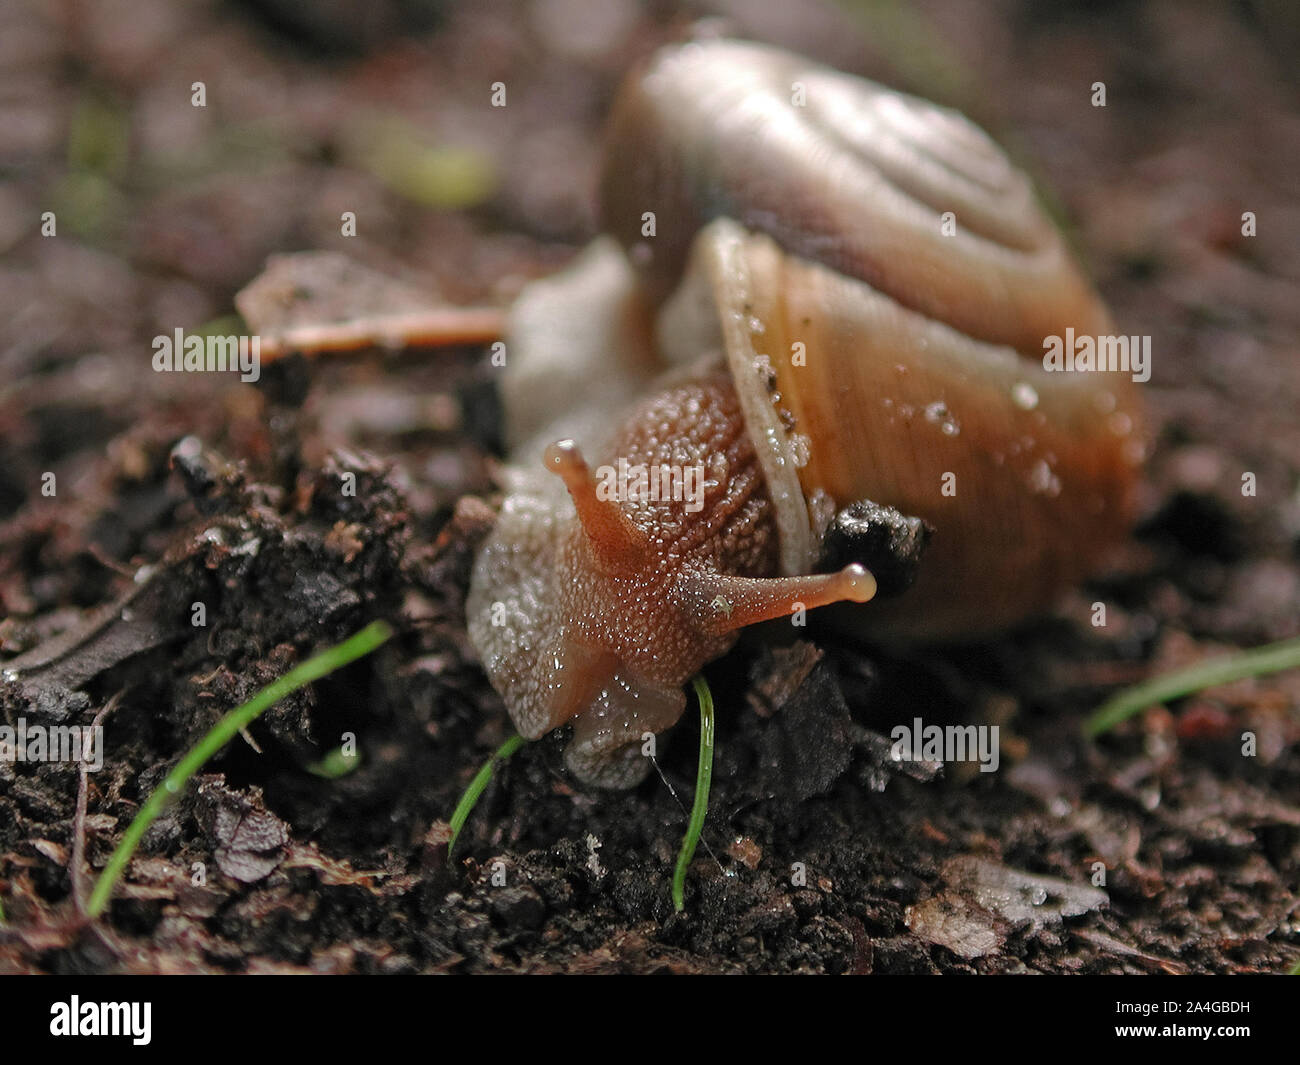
point(731, 603)
point(617, 543)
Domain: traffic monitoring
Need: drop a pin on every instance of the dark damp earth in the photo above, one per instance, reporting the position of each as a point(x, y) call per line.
point(821, 854)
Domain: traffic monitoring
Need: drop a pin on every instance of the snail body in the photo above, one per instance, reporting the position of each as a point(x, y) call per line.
point(805, 330)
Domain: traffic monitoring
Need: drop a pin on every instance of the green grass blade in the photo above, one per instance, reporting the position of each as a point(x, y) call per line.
point(477, 786)
point(703, 779)
point(321, 665)
point(335, 765)
point(1259, 662)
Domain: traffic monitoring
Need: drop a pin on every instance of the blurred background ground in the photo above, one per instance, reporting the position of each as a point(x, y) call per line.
point(164, 210)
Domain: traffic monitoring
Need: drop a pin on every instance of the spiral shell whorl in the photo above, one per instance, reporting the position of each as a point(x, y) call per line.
point(858, 178)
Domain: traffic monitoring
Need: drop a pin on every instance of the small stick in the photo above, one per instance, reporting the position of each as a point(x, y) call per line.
point(440, 327)
point(76, 868)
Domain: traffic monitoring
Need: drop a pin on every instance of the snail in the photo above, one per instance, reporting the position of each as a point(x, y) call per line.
point(813, 292)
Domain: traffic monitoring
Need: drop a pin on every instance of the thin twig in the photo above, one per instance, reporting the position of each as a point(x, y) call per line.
point(411, 329)
point(76, 866)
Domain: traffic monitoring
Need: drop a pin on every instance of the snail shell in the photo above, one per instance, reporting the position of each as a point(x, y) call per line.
point(824, 337)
